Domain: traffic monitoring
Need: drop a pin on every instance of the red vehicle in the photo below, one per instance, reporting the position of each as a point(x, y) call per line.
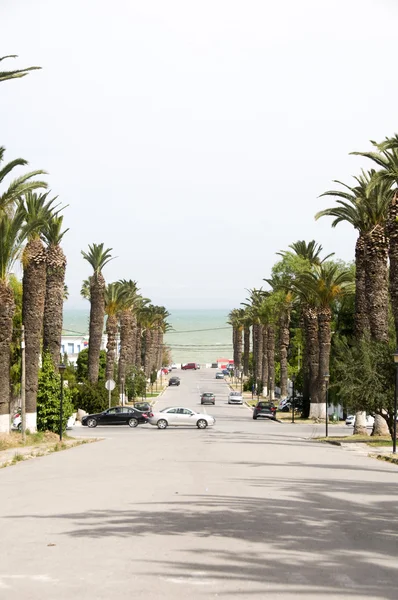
point(190, 366)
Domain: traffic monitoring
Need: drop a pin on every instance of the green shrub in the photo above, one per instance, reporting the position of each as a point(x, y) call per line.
point(49, 396)
point(93, 397)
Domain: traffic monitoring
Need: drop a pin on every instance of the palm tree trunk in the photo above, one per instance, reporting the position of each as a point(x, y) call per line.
point(148, 352)
point(259, 353)
point(34, 293)
point(360, 423)
point(392, 233)
point(361, 319)
point(324, 335)
point(111, 331)
point(97, 314)
point(246, 350)
point(264, 375)
point(284, 340)
point(377, 283)
point(238, 363)
point(54, 302)
point(7, 308)
point(312, 347)
point(138, 352)
point(132, 356)
point(126, 342)
point(380, 427)
point(271, 362)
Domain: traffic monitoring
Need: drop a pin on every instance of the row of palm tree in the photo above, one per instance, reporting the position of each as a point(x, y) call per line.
point(141, 324)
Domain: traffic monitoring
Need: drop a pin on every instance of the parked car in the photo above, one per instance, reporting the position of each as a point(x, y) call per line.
point(225, 372)
point(142, 406)
point(190, 366)
point(17, 422)
point(350, 420)
point(180, 416)
point(207, 398)
point(219, 375)
point(214, 365)
point(235, 398)
point(118, 415)
point(174, 366)
point(264, 409)
point(174, 381)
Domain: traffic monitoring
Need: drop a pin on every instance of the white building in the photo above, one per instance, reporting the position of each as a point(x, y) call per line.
point(71, 345)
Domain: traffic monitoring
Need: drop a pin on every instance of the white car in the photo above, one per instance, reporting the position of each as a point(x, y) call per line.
point(235, 398)
point(350, 420)
point(178, 415)
point(174, 366)
point(17, 422)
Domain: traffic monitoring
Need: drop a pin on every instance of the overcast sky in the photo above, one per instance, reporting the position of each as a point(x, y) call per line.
point(194, 136)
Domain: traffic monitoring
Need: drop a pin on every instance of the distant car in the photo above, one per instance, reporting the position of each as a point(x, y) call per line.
point(235, 398)
point(174, 366)
point(207, 398)
point(264, 409)
point(174, 381)
point(179, 416)
point(119, 415)
point(350, 420)
point(219, 375)
point(165, 371)
point(214, 365)
point(190, 366)
point(225, 372)
point(142, 406)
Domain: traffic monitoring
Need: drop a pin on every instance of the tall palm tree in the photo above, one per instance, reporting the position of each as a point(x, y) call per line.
point(386, 157)
point(38, 211)
point(365, 208)
point(55, 287)
point(128, 328)
point(6, 75)
point(97, 257)
point(114, 303)
point(320, 288)
point(18, 187)
point(11, 239)
point(236, 320)
point(246, 320)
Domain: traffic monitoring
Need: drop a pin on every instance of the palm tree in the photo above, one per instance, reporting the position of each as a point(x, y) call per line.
point(320, 288)
point(6, 75)
point(11, 239)
point(246, 320)
point(97, 257)
point(37, 212)
point(128, 326)
point(114, 303)
point(55, 287)
point(386, 158)
point(236, 319)
point(365, 208)
point(19, 186)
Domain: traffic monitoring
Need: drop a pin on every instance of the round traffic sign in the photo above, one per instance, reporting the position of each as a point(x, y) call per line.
point(110, 385)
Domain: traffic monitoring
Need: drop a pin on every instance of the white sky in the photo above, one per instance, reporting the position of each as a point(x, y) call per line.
point(194, 136)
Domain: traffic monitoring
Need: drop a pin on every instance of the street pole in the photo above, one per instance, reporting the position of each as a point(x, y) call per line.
point(23, 386)
point(61, 368)
point(326, 377)
point(394, 428)
point(122, 382)
point(294, 404)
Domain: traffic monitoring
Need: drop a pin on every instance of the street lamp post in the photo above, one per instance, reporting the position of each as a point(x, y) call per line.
point(241, 382)
point(326, 378)
point(394, 427)
point(61, 369)
point(293, 378)
point(122, 382)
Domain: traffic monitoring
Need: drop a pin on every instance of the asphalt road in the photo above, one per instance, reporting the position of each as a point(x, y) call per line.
point(247, 509)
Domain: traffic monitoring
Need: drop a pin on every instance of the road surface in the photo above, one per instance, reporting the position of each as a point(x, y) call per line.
point(245, 510)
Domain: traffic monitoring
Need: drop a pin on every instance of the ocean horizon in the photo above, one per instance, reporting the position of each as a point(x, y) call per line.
point(196, 335)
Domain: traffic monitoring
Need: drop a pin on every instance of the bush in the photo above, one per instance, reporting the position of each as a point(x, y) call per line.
point(49, 397)
point(82, 365)
point(94, 398)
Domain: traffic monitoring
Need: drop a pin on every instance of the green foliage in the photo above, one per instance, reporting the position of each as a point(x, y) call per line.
point(82, 365)
point(364, 376)
point(135, 383)
point(48, 398)
point(153, 377)
point(94, 397)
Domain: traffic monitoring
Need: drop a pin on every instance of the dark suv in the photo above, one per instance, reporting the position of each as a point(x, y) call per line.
point(264, 409)
point(174, 381)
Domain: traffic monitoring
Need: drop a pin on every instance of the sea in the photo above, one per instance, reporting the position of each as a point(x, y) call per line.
point(200, 335)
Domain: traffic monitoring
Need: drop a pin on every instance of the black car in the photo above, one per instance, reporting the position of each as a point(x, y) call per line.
point(118, 415)
point(264, 409)
point(174, 381)
point(207, 398)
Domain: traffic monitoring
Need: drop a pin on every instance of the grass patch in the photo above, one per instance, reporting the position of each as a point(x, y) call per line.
point(14, 439)
point(386, 458)
point(364, 439)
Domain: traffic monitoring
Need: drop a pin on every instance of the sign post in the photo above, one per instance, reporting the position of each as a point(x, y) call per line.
point(110, 385)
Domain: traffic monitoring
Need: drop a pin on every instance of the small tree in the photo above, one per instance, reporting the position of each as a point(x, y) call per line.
point(135, 383)
point(49, 397)
point(82, 365)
